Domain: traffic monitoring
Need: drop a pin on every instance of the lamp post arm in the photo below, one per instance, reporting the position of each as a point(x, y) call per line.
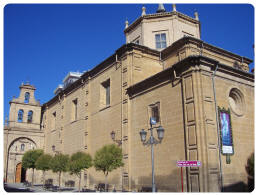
point(119, 142)
point(151, 141)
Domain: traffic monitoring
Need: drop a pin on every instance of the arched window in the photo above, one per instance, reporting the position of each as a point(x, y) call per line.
point(30, 116)
point(22, 147)
point(26, 97)
point(20, 116)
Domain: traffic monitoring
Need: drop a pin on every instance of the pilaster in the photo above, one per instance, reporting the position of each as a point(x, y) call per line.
point(201, 131)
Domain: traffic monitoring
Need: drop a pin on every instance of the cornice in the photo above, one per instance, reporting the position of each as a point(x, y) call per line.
point(100, 67)
point(206, 46)
point(159, 15)
point(26, 104)
point(36, 131)
point(181, 67)
point(27, 86)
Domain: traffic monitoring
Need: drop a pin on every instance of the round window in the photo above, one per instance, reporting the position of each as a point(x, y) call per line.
point(236, 101)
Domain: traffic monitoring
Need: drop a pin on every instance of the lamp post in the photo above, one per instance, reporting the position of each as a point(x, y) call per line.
point(152, 141)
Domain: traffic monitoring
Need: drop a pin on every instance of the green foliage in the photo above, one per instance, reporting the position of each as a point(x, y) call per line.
point(78, 162)
point(43, 162)
point(59, 163)
point(30, 157)
point(108, 158)
point(250, 167)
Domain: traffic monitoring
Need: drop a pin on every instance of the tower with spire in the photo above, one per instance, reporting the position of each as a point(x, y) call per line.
point(159, 30)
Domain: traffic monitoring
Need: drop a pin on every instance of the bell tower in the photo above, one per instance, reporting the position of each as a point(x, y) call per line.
point(22, 133)
point(25, 111)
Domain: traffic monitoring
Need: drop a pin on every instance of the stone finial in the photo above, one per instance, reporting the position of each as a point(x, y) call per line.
point(196, 15)
point(126, 24)
point(160, 8)
point(174, 7)
point(143, 11)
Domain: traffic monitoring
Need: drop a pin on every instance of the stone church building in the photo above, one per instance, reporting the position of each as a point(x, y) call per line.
point(163, 71)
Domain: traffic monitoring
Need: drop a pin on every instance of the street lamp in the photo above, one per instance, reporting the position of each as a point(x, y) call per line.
point(152, 141)
point(113, 137)
point(54, 150)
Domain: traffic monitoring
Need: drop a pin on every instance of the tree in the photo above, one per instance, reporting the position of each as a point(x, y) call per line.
point(107, 159)
point(78, 162)
point(29, 159)
point(43, 163)
point(59, 164)
point(250, 168)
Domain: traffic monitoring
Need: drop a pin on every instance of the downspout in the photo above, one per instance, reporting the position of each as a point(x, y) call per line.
point(121, 121)
point(160, 60)
point(218, 131)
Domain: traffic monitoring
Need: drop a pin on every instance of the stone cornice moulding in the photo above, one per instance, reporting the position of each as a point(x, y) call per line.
point(182, 66)
point(101, 66)
point(158, 15)
point(204, 46)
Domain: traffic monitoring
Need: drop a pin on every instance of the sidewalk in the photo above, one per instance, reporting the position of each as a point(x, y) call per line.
point(20, 187)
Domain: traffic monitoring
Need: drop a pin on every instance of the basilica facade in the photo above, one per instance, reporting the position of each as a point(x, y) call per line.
point(202, 95)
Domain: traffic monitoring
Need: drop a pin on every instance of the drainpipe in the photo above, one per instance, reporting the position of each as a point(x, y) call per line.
point(161, 60)
point(218, 131)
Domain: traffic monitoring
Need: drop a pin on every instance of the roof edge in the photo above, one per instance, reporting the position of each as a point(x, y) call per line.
point(158, 78)
point(185, 40)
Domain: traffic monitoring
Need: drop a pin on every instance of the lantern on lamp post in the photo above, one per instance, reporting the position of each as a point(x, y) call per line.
point(113, 137)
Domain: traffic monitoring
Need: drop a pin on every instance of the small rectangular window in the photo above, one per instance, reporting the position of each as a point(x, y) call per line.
point(155, 111)
point(136, 40)
point(74, 109)
point(108, 95)
point(105, 94)
point(186, 34)
point(53, 123)
point(160, 41)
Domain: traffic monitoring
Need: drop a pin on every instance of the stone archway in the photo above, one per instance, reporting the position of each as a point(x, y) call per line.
point(17, 148)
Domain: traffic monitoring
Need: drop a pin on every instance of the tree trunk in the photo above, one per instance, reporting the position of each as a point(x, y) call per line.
point(59, 179)
point(32, 177)
point(106, 182)
point(43, 178)
point(79, 180)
